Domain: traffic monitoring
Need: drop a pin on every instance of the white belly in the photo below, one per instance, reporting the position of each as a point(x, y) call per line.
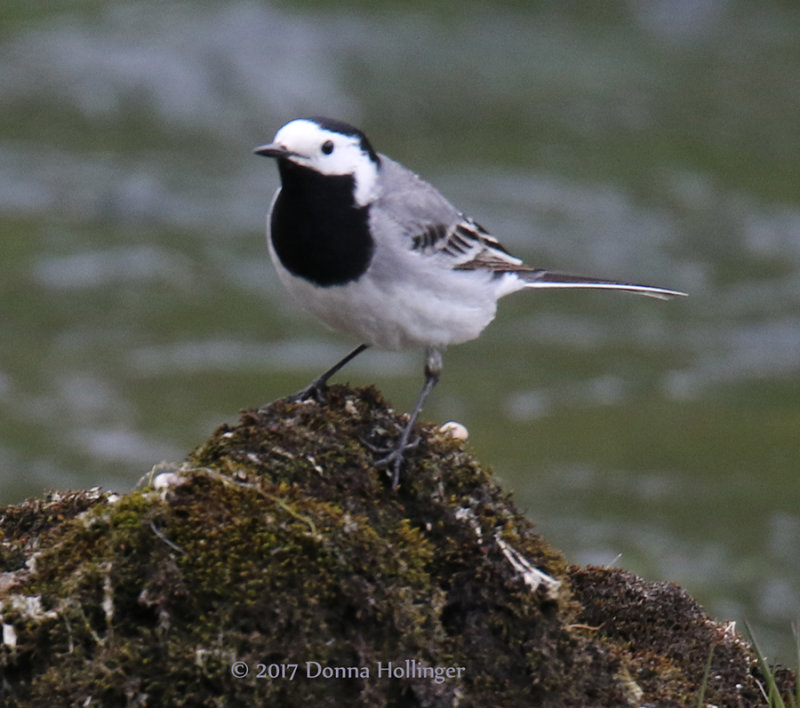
point(395, 307)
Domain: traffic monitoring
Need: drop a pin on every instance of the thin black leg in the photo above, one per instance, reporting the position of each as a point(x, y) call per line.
point(433, 370)
point(316, 389)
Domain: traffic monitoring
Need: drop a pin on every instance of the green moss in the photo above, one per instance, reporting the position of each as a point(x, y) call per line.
point(278, 543)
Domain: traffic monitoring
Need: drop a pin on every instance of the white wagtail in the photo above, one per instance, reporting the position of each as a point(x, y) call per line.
point(375, 251)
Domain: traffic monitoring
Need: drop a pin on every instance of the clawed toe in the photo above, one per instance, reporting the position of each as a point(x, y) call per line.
point(315, 391)
point(393, 452)
point(386, 449)
point(393, 456)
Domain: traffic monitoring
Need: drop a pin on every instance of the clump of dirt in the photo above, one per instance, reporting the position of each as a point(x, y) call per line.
point(277, 566)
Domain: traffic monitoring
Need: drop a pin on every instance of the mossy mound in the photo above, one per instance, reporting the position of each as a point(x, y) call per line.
point(277, 567)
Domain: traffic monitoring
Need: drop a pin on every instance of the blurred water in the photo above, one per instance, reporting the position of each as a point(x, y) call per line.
point(651, 139)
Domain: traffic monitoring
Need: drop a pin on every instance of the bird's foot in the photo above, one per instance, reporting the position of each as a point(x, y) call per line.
point(317, 391)
point(393, 456)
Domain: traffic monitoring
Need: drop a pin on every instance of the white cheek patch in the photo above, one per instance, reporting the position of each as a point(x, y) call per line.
point(366, 181)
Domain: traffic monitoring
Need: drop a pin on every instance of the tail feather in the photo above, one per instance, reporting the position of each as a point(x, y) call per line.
point(540, 278)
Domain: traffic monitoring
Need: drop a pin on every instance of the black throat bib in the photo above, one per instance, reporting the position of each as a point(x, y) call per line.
point(318, 231)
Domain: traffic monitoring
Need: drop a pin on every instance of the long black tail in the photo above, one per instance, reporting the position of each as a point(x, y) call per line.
point(541, 278)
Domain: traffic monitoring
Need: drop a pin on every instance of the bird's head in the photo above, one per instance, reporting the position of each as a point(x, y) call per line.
point(330, 148)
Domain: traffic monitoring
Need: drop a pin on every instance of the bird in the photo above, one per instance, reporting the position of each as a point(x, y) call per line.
point(376, 252)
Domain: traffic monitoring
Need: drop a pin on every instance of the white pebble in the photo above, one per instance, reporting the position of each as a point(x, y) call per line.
point(456, 430)
point(167, 479)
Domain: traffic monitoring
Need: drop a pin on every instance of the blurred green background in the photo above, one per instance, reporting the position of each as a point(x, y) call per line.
point(655, 140)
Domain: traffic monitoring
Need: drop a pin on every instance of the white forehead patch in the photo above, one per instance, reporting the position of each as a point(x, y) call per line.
point(330, 153)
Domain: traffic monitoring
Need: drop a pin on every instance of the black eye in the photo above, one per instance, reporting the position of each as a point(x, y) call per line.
point(327, 147)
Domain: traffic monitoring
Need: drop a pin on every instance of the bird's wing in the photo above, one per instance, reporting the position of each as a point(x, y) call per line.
point(431, 225)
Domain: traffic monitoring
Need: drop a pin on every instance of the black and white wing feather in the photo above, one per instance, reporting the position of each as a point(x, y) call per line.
point(468, 245)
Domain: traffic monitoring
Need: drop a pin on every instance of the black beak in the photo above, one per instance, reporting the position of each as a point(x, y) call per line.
point(273, 150)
